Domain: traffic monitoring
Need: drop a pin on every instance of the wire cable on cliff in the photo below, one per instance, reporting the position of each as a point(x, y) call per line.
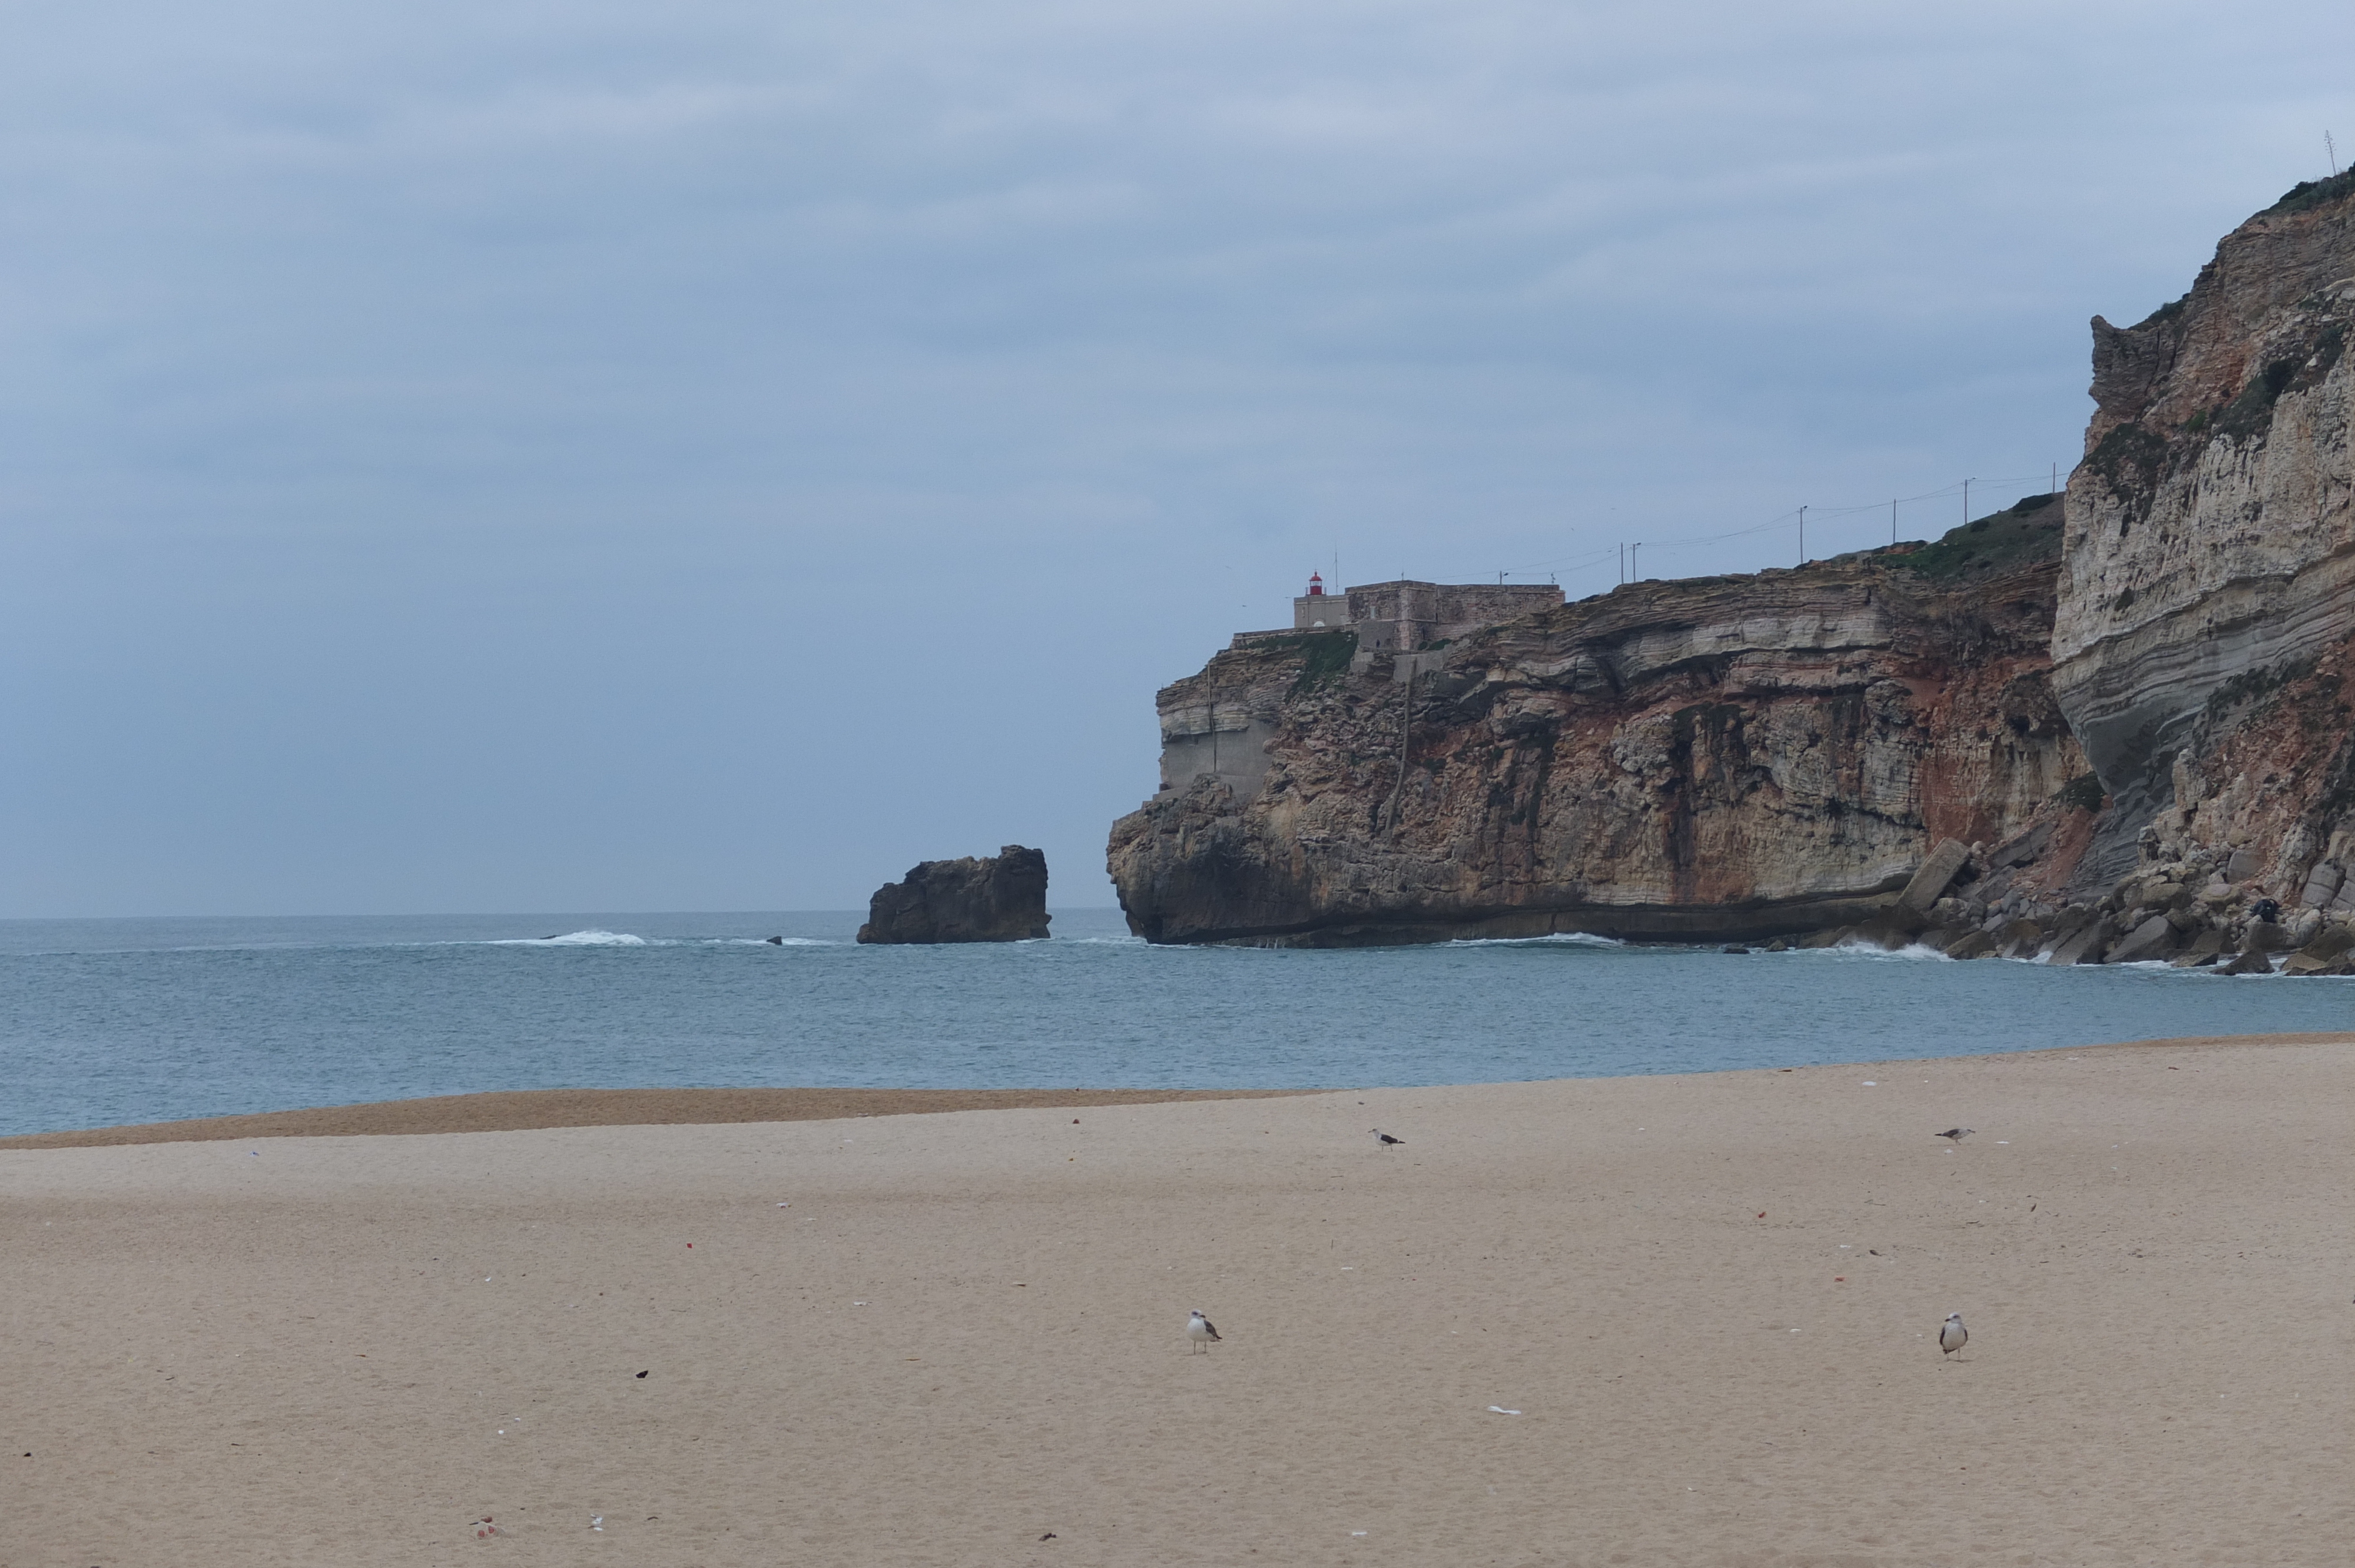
point(1780, 520)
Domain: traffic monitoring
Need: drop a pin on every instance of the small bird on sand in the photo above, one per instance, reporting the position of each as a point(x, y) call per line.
point(1200, 1329)
point(1387, 1140)
point(1952, 1336)
point(1955, 1134)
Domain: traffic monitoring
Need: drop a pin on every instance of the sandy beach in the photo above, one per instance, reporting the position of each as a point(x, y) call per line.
point(520, 1110)
point(1684, 1321)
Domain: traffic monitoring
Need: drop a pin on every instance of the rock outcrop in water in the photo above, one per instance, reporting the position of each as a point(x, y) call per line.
point(1716, 758)
point(997, 898)
point(2208, 594)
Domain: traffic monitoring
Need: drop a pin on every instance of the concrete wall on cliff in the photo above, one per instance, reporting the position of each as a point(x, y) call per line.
point(1711, 758)
point(2207, 591)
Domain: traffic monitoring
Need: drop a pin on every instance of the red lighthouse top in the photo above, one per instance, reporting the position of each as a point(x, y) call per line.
point(1316, 586)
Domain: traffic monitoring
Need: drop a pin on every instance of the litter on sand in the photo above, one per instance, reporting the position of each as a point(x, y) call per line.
point(1502, 1411)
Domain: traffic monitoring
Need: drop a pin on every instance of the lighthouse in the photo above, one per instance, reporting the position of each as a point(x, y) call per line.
point(1317, 610)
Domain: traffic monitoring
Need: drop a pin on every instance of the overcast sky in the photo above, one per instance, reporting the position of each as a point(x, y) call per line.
point(585, 456)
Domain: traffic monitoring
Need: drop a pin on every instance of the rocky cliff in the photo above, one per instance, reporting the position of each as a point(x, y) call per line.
point(2144, 750)
point(2205, 606)
point(995, 898)
point(1713, 758)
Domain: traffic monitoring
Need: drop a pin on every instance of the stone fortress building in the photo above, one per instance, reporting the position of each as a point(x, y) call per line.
point(1225, 734)
point(1407, 616)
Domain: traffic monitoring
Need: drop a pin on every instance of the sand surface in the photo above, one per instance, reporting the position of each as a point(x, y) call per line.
point(1711, 1299)
point(517, 1110)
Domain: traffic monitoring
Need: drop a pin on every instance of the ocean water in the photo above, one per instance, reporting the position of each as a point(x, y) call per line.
point(125, 1020)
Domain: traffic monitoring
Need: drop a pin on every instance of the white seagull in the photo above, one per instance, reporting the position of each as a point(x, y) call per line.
point(1200, 1329)
point(1955, 1134)
point(1952, 1336)
point(1387, 1140)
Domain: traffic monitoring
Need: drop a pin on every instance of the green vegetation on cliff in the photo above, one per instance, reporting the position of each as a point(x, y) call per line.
point(1325, 655)
point(2313, 192)
point(2028, 532)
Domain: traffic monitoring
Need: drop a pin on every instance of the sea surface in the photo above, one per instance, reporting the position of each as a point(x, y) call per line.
point(104, 1021)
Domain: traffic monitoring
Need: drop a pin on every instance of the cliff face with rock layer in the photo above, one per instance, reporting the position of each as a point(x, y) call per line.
point(1714, 759)
point(2205, 602)
point(1738, 758)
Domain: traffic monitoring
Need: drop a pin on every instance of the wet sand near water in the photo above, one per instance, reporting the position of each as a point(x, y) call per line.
point(957, 1338)
point(517, 1110)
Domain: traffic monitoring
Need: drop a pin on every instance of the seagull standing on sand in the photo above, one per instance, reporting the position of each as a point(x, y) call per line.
point(1955, 1134)
point(1200, 1329)
point(1952, 1336)
point(1387, 1140)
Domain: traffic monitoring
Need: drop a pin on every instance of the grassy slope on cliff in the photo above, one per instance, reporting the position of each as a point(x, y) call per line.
point(1999, 542)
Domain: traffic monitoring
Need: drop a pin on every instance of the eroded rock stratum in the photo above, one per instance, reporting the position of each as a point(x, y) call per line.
point(2134, 707)
point(1724, 757)
point(2204, 609)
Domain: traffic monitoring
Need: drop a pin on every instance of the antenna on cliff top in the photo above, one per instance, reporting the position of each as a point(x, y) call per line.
point(1803, 536)
point(2330, 146)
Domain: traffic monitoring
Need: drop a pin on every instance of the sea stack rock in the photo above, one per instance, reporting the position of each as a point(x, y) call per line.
point(996, 898)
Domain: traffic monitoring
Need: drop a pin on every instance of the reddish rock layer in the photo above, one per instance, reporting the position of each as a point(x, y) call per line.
point(2212, 538)
point(1716, 758)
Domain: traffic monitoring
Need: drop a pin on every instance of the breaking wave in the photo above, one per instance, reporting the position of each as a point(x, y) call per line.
point(574, 939)
point(1554, 939)
point(1863, 948)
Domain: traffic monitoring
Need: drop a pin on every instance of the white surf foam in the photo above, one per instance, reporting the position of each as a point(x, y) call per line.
point(575, 940)
point(1555, 938)
point(1912, 952)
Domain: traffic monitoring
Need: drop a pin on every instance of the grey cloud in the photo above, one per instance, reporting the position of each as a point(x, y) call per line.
point(468, 456)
